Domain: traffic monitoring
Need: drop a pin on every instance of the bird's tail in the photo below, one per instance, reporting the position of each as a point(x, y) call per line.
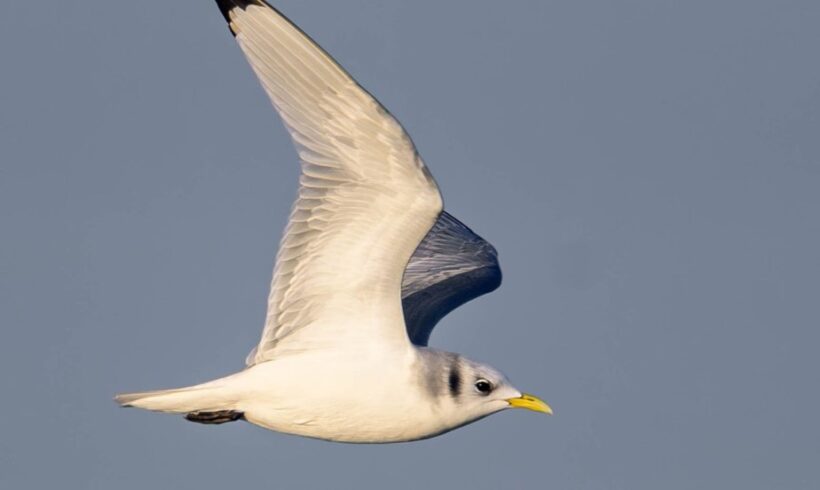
point(214, 396)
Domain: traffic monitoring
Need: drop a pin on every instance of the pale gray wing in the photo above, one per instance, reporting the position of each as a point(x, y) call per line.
point(365, 200)
point(450, 267)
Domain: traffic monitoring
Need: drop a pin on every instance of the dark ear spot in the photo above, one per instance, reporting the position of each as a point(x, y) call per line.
point(454, 381)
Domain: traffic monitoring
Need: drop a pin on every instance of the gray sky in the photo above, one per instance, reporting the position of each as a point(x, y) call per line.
point(648, 170)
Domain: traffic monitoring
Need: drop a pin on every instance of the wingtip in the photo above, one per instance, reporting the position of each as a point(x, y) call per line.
point(225, 7)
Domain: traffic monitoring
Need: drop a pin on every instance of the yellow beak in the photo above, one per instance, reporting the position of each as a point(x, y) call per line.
point(530, 402)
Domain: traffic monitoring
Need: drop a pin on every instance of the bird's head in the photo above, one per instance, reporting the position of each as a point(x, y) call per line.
point(474, 390)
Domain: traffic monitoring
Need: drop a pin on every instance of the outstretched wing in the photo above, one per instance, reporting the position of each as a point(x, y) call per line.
point(365, 200)
point(450, 267)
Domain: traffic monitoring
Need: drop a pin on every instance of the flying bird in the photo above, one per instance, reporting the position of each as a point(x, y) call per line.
point(368, 264)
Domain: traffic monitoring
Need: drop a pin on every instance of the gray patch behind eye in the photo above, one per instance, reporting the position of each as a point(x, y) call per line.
point(434, 370)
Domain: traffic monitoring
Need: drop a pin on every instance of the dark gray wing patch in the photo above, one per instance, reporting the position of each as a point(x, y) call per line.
point(450, 267)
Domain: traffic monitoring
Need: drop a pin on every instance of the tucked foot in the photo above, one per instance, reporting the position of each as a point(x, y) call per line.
point(214, 418)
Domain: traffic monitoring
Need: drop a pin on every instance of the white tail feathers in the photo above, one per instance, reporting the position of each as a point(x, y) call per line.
point(208, 397)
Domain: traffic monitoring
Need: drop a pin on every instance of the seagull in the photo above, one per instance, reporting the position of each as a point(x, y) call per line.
point(368, 265)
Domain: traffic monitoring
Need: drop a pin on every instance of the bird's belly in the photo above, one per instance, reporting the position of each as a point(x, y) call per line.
point(344, 426)
point(345, 404)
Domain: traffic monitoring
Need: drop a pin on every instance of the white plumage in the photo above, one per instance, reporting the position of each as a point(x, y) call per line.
point(335, 360)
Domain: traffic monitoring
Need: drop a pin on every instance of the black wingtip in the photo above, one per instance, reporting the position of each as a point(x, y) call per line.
point(225, 6)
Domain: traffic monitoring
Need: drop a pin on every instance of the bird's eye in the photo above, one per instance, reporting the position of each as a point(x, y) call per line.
point(483, 386)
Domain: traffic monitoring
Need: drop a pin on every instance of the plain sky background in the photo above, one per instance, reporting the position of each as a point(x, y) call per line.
point(648, 170)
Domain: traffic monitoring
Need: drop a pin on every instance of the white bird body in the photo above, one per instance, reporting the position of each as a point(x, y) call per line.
point(335, 395)
point(334, 408)
point(368, 264)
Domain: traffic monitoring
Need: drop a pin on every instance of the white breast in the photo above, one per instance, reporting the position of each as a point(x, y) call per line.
point(367, 396)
